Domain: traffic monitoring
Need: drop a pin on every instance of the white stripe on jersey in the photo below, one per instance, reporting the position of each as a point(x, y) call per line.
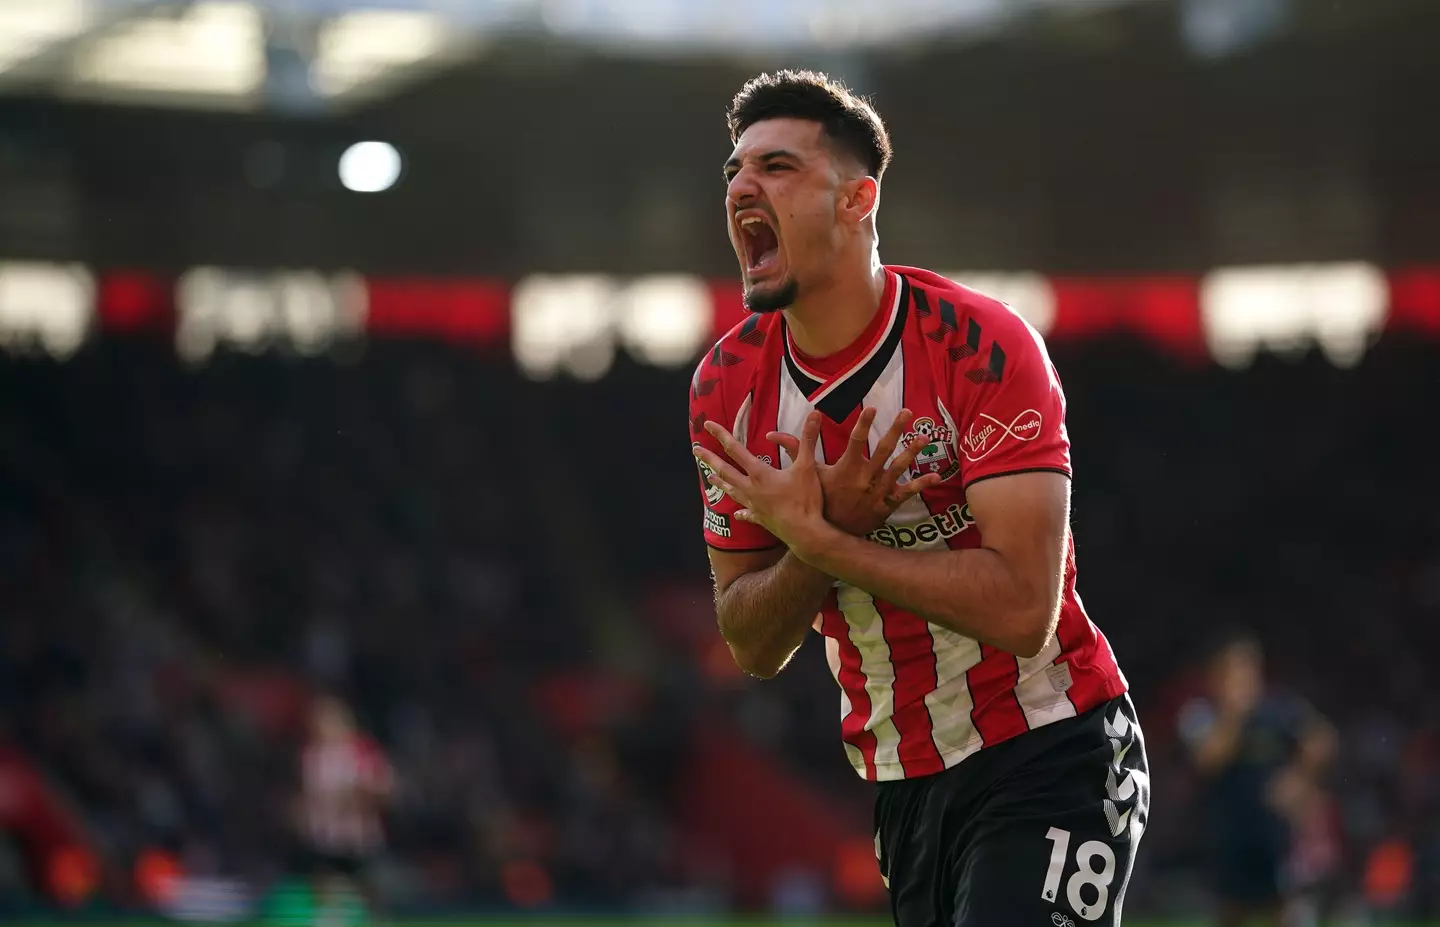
point(867, 633)
point(790, 415)
point(951, 729)
point(741, 428)
point(1037, 695)
point(950, 704)
point(832, 656)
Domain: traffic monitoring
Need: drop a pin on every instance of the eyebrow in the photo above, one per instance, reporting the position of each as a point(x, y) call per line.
point(775, 155)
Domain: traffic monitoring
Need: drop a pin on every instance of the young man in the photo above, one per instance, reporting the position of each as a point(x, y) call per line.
point(934, 558)
point(1261, 756)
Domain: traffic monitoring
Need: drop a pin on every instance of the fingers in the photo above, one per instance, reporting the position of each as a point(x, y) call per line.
point(859, 445)
point(901, 465)
point(914, 487)
point(722, 474)
point(733, 449)
point(897, 495)
point(891, 438)
point(809, 435)
point(788, 442)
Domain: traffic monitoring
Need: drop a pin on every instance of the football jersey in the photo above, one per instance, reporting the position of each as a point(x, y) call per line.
point(916, 698)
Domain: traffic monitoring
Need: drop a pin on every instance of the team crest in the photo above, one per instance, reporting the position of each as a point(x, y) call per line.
point(936, 457)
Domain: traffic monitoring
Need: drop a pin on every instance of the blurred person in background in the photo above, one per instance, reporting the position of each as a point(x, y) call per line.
point(1261, 755)
point(1012, 784)
point(345, 783)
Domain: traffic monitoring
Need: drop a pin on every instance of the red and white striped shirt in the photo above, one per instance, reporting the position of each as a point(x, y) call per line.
point(915, 698)
point(343, 783)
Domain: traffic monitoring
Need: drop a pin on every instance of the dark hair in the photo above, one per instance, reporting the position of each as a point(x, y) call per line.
point(849, 120)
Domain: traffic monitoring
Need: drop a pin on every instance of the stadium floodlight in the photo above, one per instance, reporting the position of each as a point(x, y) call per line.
point(370, 167)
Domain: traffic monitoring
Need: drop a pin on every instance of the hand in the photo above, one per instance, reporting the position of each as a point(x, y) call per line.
point(1287, 793)
point(860, 491)
point(788, 503)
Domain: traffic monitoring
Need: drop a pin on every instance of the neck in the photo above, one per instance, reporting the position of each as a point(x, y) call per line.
point(828, 319)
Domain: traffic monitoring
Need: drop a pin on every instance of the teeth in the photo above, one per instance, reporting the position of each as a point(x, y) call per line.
point(749, 221)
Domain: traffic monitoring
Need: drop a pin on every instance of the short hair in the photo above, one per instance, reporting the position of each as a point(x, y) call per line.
point(849, 120)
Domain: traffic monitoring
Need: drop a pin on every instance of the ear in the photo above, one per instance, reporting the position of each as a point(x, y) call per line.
point(860, 199)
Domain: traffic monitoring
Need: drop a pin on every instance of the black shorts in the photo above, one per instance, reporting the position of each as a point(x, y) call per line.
point(1040, 829)
point(1250, 873)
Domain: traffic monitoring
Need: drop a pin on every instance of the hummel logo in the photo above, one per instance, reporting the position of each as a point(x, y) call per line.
point(1060, 920)
point(1117, 790)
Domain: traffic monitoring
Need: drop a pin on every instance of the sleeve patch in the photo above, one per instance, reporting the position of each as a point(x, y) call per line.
point(717, 523)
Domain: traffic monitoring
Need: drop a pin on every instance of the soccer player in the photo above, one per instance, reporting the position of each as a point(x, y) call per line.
point(1260, 755)
point(883, 458)
point(345, 781)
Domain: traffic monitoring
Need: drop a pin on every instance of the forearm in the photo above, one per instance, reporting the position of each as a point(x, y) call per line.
point(764, 616)
point(973, 592)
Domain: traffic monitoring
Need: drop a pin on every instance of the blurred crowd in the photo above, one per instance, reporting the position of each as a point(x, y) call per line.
point(506, 582)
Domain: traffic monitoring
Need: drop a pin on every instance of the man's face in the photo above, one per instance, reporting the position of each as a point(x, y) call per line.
point(782, 189)
point(1238, 674)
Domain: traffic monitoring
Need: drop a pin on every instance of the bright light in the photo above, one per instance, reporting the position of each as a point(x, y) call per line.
point(28, 26)
point(563, 323)
point(365, 45)
point(252, 311)
point(1285, 309)
point(206, 48)
point(1028, 293)
point(666, 320)
point(370, 167)
point(50, 306)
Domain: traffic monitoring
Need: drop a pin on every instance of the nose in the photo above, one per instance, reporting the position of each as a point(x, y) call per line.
point(742, 189)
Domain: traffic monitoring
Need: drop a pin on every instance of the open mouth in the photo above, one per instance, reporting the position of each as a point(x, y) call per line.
point(762, 245)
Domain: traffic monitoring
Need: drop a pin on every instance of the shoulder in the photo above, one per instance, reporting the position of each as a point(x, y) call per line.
point(977, 335)
point(735, 355)
point(727, 371)
point(948, 311)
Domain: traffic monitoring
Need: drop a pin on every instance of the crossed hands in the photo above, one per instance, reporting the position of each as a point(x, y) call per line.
point(856, 494)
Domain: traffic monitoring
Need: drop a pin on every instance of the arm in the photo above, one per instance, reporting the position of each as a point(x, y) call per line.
point(1006, 593)
point(765, 603)
point(1216, 747)
point(766, 600)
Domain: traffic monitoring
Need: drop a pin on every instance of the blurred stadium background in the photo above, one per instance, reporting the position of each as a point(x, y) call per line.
point(346, 345)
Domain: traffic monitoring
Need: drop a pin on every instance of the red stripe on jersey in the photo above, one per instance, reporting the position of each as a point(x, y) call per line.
point(852, 681)
point(997, 714)
point(912, 654)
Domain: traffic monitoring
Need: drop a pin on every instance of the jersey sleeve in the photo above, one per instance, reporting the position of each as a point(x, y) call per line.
point(722, 530)
point(1011, 409)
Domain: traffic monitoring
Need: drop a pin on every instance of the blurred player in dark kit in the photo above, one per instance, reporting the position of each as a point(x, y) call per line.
point(1261, 755)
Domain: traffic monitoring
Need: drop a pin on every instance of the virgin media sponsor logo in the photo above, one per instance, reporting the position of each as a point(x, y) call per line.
point(988, 432)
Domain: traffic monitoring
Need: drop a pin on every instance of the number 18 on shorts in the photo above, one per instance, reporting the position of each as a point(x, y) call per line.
point(1041, 830)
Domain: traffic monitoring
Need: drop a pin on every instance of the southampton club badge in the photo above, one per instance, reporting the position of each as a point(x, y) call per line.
point(936, 457)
